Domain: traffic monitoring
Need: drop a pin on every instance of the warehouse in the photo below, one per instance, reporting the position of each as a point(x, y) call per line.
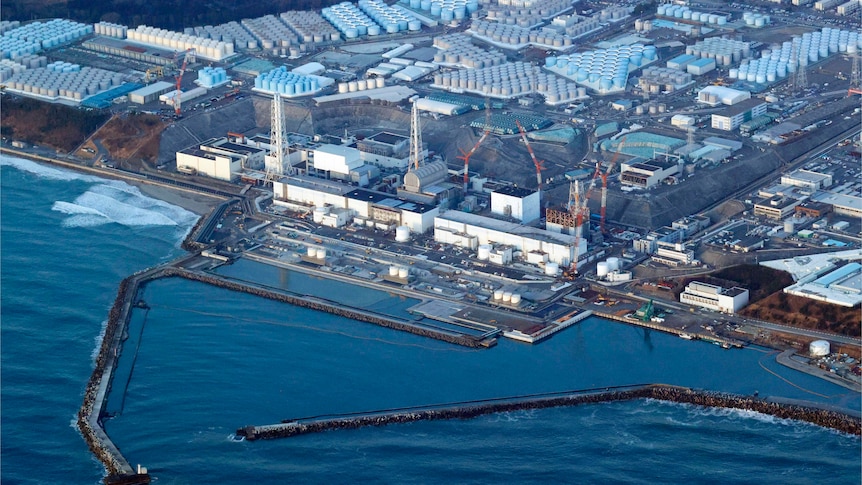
point(715, 95)
point(150, 93)
point(808, 179)
point(737, 114)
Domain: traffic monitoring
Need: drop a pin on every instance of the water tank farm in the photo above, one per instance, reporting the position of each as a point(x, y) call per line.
point(34, 37)
point(62, 80)
point(604, 71)
point(289, 84)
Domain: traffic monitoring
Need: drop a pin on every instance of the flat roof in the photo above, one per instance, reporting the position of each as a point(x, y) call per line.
point(158, 87)
point(851, 284)
point(513, 191)
point(312, 183)
point(387, 138)
point(238, 148)
point(367, 195)
point(735, 291)
point(839, 200)
point(723, 143)
point(197, 152)
point(838, 274)
point(807, 175)
point(508, 227)
point(742, 107)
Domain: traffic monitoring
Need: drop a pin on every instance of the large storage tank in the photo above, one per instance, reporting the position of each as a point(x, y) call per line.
point(403, 273)
point(602, 269)
point(613, 264)
point(484, 252)
point(402, 234)
point(818, 348)
point(516, 298)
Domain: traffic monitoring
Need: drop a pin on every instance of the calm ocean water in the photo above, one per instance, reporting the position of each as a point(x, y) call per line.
point(204, 361)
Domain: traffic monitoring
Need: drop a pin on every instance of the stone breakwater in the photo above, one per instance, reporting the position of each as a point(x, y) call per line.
point(329, 307)
point(829, 419)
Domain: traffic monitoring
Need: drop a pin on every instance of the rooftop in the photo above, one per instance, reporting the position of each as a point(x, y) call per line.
point(514, 191)
point(742, 107)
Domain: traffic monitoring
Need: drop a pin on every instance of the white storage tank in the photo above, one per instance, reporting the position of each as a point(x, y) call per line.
point(321, 253)
point(507, 296)
point(319, 212)
point(403, 273)
point(393, 271)
point(602, 269)
point(516, 298)
point(498, 294)
point(311, 252)
point(818, 348)
point(551, 269)
point(613, 264)
point(484, 252)
point(402, 234)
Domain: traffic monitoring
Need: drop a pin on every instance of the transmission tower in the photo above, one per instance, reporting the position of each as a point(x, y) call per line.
point(416, 158)
point(856, 72)
point(278, 139)
point(800, 78)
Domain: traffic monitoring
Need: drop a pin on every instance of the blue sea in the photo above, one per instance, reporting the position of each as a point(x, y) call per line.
point(203, 361)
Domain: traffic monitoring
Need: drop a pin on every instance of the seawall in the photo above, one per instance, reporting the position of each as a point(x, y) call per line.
point(826, 418)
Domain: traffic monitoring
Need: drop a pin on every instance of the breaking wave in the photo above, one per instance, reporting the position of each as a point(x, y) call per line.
point(46, 171)
point(118, 202)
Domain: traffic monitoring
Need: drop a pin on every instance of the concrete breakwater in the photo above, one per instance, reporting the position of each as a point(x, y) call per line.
point(825, 418)
point(319, 304)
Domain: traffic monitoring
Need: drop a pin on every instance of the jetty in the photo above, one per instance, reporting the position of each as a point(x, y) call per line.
point(724, 342)
point(830, 418)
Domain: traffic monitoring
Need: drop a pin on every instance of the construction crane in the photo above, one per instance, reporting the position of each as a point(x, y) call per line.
point(154, 73)
point(466, 156)
point(188, 57)
point(538, 163)
point(579, 208)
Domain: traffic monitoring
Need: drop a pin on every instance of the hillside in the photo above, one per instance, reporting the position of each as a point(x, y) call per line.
point(54, 125)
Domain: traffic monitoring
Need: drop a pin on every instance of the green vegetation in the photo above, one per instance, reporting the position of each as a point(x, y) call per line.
point(54, 125)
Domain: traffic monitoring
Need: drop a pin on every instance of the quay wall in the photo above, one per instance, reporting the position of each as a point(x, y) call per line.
point(333, 308)
point(826, 418)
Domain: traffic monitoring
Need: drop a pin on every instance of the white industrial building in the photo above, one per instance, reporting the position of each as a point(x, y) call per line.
point(808, 179)
point(185, 96)
point(673, 254)
point(516, 202)
point(428, 183)
point(715, 95)
point(367, 207)
point(682, 121)
point(471, 230)
point(220, 158)
point(647, 174)
point(739, 113)
point(716, 298)
point(842, 204)
point(148, 94)
point(386, 151)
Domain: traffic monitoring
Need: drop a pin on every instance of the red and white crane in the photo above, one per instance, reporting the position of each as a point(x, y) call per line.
point(178, 100)
point(538, 163)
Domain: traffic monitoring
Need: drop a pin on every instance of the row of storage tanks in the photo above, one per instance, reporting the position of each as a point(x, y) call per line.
point(651, 108)
point(316, 253)
point(514, 35)
point(387, 16)
point(285, 82)
point(212, 76)
point(109, 29)
point(399, 272)
point(9, 68)
point(527, 16)
point(351, 21)
point(7, 25)
point(206, 48)
point(510, 80)
point(608, 68)
point(445, 10)
point(310, 26)
point(685, 13)
point(724, 51)
point(361, 85)
point(643, 25)
point(231, 32)
point(271, 31)
point(65, 80)
point(458, 49)
point(36, 36)
point(753, 19)
point(507, 297)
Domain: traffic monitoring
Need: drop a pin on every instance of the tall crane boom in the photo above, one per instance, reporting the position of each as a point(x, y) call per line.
point(538, 163)
point(466, 157)
point(178, 100)
point(605, 186)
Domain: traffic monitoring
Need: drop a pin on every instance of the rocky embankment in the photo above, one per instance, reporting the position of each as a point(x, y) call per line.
point(828, 419)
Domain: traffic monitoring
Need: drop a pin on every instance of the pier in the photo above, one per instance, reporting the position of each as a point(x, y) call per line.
point(726, 343)
point(843, 422)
